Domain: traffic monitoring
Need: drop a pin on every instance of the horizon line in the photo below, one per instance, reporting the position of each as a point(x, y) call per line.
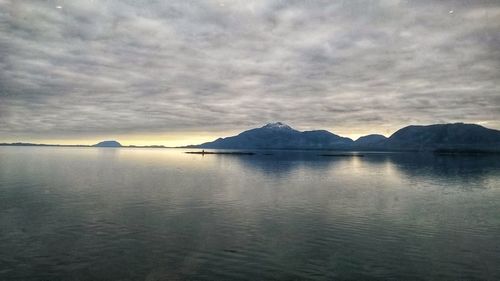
point(21, 143)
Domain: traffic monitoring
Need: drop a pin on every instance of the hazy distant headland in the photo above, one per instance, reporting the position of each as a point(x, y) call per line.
point(102, 144)
point(445, 138)
point(108, 143)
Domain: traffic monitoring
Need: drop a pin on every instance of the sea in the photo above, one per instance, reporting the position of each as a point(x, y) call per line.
point(85, 213)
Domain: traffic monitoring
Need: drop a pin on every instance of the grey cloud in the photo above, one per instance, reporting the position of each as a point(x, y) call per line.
point(94, 67)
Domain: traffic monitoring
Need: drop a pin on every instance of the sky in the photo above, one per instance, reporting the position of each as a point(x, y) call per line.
point(185, 72)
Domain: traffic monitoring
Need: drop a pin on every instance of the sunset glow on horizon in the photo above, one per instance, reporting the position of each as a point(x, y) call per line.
point(174, 140)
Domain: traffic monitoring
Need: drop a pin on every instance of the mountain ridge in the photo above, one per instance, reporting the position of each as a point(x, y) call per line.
point(278, 136)
point(450, 136)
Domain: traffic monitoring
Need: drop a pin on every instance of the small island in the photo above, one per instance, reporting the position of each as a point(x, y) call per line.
point(108, 143)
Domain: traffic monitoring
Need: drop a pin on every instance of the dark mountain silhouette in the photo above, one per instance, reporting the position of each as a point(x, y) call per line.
point(109, 143)
point(456, 136)
point(447, 137)
point(370, 141)
point(280, 136)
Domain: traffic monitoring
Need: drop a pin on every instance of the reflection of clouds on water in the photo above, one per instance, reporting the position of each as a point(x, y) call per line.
point(132, 213)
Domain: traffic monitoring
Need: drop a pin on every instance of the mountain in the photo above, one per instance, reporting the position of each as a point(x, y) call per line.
point(109, 143)
point(280, 136)
point(456, 136)
point(370, 141)
point(449, 137)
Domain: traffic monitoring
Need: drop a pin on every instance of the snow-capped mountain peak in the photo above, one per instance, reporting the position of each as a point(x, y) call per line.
point(277, 125)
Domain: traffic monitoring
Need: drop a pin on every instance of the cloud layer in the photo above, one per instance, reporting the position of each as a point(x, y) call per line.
point(83, 68)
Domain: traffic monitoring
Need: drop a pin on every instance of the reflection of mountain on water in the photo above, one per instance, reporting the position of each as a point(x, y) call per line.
point(462, 168)
point(281, 163)
point(183, 215)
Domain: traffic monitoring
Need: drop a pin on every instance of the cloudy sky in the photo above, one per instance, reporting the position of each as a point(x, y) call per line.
point(181, 72)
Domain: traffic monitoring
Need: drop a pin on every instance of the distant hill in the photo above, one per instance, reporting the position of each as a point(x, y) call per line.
point(370, 141)
point(25, 144)
point(101, 144)
point(454, 137)
point(41, 144)
point(280, 136)
point(109, 143)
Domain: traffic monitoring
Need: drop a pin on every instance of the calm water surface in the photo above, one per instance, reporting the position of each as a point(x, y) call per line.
point(160, 214)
